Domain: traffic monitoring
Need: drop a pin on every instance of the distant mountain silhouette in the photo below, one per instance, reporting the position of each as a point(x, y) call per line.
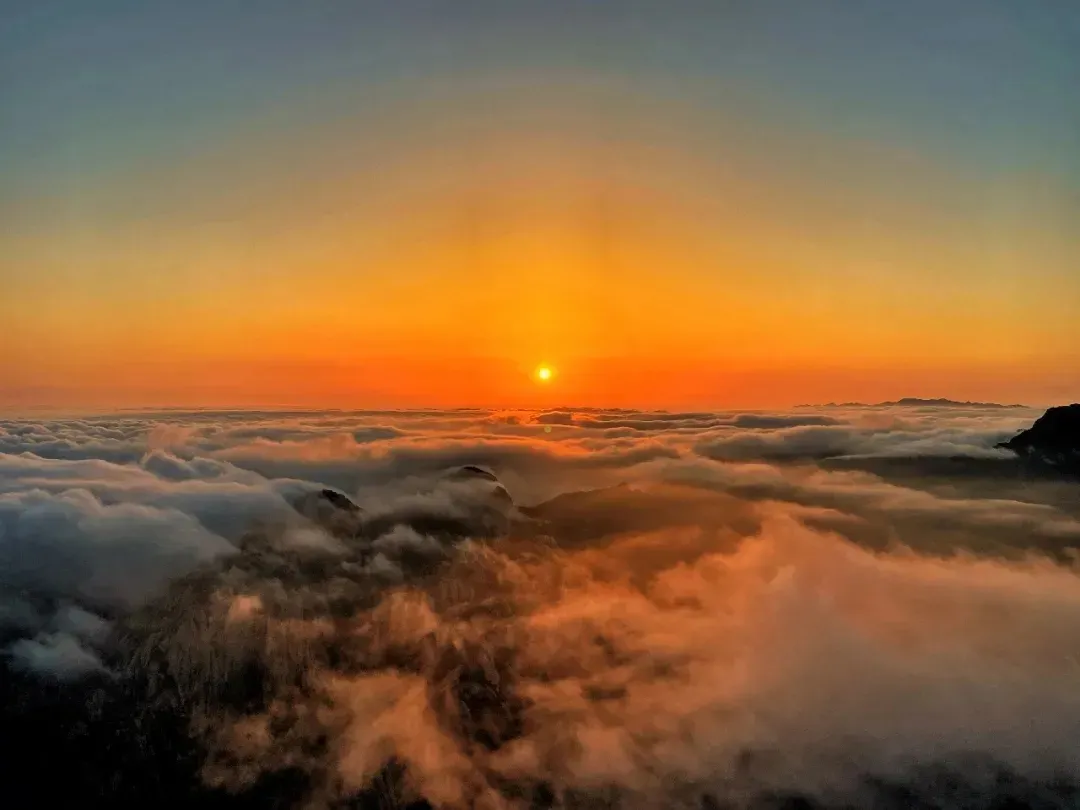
point(914, 402)
point(1054, 439)
point(947, 403)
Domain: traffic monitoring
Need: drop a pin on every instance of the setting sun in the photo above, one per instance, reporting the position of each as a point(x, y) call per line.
point(543, 373)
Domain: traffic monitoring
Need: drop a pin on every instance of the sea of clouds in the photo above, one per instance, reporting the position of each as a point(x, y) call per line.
point(843, 607)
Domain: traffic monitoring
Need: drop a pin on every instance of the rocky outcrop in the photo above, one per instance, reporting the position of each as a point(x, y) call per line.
point(472, 471)
point(1054, 439)
point(474, 504)
point(496, 493)
point(332, 510)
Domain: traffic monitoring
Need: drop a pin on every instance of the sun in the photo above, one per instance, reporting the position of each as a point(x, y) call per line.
point(544, 373)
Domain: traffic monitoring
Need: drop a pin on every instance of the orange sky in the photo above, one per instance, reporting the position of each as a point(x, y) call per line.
point(432, 242)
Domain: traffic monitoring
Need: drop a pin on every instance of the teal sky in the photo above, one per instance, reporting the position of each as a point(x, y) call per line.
point(987, 81)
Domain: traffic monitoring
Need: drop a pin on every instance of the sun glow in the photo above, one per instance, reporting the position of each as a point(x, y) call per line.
point(543, 373)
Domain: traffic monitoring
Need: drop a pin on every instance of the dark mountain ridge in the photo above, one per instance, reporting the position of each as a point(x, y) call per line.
point(1053, 440)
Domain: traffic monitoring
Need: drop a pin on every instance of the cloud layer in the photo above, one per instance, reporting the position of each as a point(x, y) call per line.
point(858, 606)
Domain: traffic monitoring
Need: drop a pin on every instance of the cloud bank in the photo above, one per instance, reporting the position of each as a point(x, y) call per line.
point(852, 607)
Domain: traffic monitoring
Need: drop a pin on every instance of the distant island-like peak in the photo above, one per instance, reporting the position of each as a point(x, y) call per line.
point(914, 402)
point(946, 403)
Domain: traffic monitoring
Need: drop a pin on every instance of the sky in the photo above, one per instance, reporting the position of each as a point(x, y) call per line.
point(679, 204)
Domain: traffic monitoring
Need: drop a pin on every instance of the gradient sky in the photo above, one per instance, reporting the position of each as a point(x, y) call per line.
point(672, 203)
